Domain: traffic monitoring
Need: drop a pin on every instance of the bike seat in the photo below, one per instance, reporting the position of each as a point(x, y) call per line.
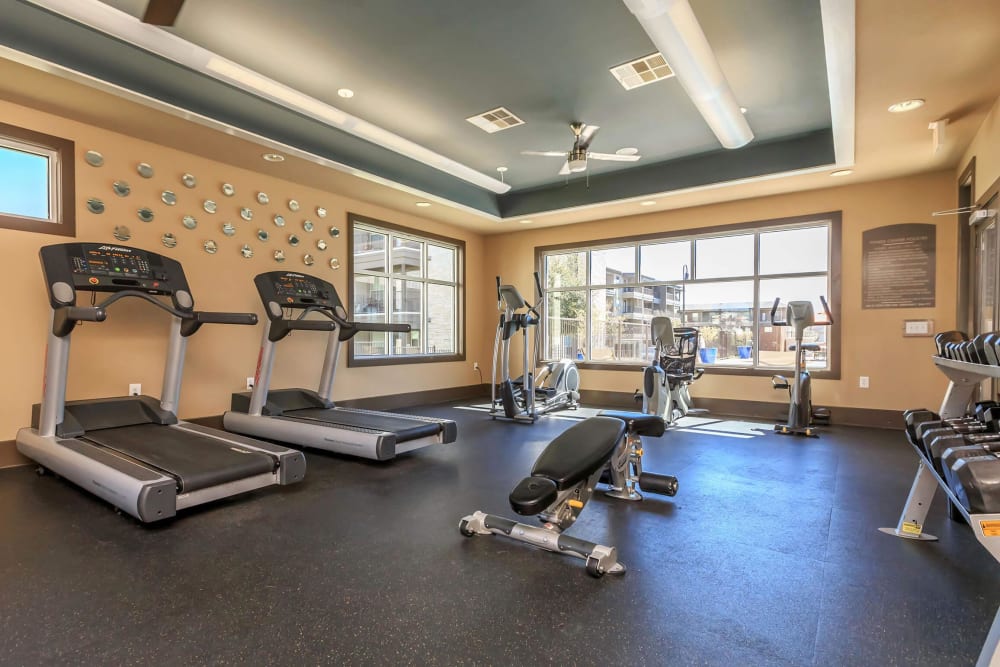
point(809, 347)
point(578, 451)
point(638, 422)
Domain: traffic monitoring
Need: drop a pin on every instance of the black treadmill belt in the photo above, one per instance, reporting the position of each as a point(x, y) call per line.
point(196, 461)
point(404, 429)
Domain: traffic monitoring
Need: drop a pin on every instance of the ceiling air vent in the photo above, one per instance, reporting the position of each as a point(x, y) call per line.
point(495, 120)
point(647, 69)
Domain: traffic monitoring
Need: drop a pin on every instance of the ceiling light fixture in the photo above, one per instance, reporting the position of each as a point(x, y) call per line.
point(674, 30)
point(648, 202)
point(744, 109)
point(906, 105)
point(629, 150)
point(526, 222)
point(842, 172)
point(346, 93)
point(273, 157)
point(423, 204)
point(502, 170)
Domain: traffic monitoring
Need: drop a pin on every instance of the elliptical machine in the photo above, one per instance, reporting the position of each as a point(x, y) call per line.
point(801, 416)
point(554, 386)
point(665, 382)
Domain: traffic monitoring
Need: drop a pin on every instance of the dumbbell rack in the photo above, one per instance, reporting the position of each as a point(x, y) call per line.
point(965, 378)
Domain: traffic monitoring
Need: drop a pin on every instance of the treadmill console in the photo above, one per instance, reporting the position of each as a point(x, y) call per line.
point(288, 289)
point(104, 267)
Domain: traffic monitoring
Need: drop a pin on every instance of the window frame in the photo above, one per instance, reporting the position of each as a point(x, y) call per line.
point(62, 181)
point(832, 218)
point(354, 361)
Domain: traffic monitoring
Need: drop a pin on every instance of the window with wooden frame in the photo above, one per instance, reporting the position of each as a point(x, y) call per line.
point(36, 182)
point(400, 275)
point(601, 296)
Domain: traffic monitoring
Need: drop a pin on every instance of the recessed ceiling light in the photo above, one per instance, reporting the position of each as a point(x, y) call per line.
point(630, 150)
point(526, 222)
point(842, 172)
point(273, 157)
point(743, 109)
point(423, 204)
point(346, 93)
point(502, 170)
point(648, 202)
point(906, 105)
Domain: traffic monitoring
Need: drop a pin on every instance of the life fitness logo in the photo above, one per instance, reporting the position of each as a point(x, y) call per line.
point(115, 248)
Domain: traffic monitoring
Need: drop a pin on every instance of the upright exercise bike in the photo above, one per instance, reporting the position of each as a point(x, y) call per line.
point(801, 415)
point(554, 386)
point(665, 382)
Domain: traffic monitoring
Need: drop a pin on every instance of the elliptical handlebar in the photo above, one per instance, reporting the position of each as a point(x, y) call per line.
point(499, 297)
point(826, 309)
point(538, 287)
point(774, 312)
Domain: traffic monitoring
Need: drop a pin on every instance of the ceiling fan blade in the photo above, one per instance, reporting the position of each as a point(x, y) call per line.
point(614, 157)
point(545, 153)
point(162, 12)
point(587, 135)
point(565, 169)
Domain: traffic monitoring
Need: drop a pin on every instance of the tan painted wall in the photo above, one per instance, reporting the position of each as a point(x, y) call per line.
point(985, 147)
point(901, 373)
point(129, 347)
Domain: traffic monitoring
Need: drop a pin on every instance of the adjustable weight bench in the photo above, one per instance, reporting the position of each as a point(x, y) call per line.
point(605, 448)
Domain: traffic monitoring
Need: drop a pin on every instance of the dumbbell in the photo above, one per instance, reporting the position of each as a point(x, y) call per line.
point(990, 342)
point(975, 481)
point(913, 418)
point(979, 345)
point(984, 417)
point(938, 444)
point(944, 338)
point(975, 447)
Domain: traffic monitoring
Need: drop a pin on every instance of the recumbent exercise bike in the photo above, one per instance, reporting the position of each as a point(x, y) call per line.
point(666, 380)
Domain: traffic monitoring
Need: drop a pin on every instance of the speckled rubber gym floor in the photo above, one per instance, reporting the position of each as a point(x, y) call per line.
point(768, 555)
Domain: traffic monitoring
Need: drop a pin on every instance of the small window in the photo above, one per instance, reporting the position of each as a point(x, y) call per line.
point(659, 262)
point(566, 270)
point(36, 182)
point(401, 276)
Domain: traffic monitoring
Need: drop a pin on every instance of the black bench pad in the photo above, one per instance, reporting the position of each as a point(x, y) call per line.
point(532, 495)
point(638, 422)
point(578, 451)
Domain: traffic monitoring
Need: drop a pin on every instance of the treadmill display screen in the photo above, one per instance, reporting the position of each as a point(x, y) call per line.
point(108, 260)
point(296, 287)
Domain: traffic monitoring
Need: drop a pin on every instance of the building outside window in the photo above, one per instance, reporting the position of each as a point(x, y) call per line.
point(601, 297)
point(409, 277)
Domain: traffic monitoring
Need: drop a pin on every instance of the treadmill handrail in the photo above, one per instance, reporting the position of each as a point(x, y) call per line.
point(66, 317)
point(350, 328)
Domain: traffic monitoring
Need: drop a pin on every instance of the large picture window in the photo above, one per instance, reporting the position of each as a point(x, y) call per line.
point(36, 182)
point(403, 276)
point(600, 298)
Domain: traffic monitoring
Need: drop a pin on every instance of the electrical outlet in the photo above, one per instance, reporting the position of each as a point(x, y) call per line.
point(475, 365)
point(863, 382)
point(134, 389)
point(250, 383)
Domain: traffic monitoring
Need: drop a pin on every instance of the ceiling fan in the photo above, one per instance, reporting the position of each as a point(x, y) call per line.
point(576, 158)
point(162, 12)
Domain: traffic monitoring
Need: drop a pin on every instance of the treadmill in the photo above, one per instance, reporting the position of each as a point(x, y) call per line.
point(310, 418)
point(132, 451)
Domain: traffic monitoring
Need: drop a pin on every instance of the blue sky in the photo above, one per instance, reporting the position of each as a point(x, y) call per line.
point(24, 182)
